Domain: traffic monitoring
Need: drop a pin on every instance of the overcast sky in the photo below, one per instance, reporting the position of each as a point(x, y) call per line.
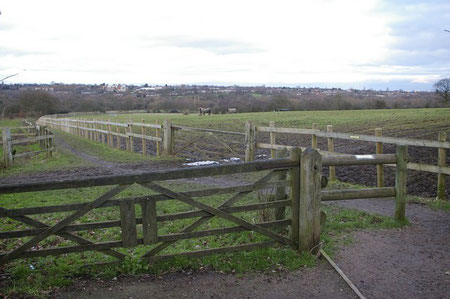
point(373, 44)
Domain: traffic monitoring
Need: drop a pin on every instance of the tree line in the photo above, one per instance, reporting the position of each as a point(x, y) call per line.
point(38, 103)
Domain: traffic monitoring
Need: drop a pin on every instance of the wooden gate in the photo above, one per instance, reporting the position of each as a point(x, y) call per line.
point(142, 222)
point(139, 221)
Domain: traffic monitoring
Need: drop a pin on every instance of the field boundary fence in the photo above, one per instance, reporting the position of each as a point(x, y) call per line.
point(299, 178)
point(194, 145)
point(28, 134)
point(441, 145)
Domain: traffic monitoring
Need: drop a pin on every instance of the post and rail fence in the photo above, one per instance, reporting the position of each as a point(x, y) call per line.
point(25, 135)
point(302, 193)
point(95, 129)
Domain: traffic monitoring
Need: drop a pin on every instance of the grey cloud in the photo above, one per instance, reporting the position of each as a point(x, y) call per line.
point(216, 46)
point(420, 39)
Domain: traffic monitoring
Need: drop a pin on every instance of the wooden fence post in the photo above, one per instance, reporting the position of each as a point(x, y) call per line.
point(158, 144)
point(310, 190)
point(167, 138)
point(441, 163)
point(249, 142)
point(273, 152)
point(110, 136)
point(7, 147)
point(332, 169)
point(49, 143)
point(380, 167)
point(127, 139)
point(294, 178)
point(400, 182)
point(118, 137)
point(144, 145)
point(315, 126)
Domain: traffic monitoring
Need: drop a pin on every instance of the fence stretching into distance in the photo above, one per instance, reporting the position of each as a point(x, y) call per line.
point(25, 135)
point(101, 131)
point(300, 191)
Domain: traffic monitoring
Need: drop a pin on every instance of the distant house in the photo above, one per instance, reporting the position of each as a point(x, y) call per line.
point(116, 88)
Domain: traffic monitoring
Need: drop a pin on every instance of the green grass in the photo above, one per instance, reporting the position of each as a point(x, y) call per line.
point(433, 203)
point(106, 153)
point(9, 123)
point(37, 276)
point(361, 121)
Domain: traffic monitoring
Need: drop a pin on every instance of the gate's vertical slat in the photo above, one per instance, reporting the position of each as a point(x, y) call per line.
point(294, 177)
point(128, 223)
point(149, 223)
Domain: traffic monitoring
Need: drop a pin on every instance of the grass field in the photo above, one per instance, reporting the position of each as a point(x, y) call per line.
point(360, 121)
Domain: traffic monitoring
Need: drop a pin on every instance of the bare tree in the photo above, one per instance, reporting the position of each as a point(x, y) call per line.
point(443, 88)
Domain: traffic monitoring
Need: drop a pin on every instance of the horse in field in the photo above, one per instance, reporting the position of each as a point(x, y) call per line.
point(204, 111)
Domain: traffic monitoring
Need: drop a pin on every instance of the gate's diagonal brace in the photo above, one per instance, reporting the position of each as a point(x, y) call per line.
point(68, 236)
point(202, 220)
point(217, 212)
point(190, 143)
point(66, 221)
point(224, 144)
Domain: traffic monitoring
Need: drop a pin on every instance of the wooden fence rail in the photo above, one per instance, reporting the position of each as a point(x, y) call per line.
point(41, 134)
point(442, 145)
point(96, 130)
point(305, 194)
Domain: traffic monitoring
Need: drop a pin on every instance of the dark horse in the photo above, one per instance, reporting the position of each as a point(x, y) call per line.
point(204, 111)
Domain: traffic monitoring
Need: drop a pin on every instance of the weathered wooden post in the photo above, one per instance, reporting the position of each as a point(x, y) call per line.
point(144, 145)
point(330, 140)
point(158, 144)
point(110, 136)
point(149, 224)
point(167, 138)
point(49, 143)
point(400, 182)
point(128, 223)
point(127, 139)
point(118, 137)
point(380, 167)
point(249, 142)
point(315, 126)
point(294, 178)
point(310, 190)
point(441, 163)
point(273, 152)
point(7, 147)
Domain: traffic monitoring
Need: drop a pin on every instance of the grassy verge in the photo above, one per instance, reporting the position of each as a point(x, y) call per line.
point(435, 204)
point(104, 152)
point(38, 276)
